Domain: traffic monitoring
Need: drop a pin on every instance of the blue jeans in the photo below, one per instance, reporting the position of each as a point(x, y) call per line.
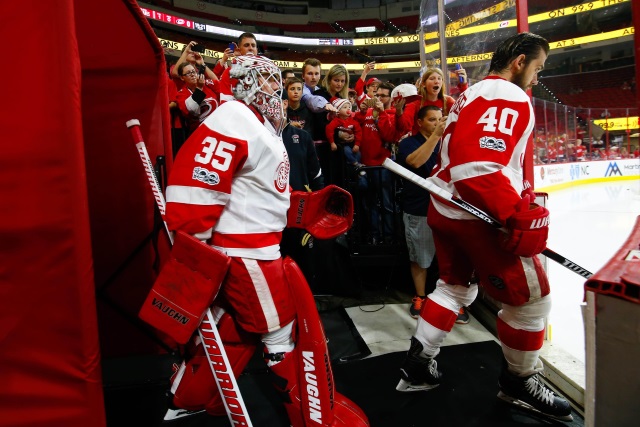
point(351, 157)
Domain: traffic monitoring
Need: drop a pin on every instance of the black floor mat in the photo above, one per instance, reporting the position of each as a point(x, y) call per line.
point(467, 396)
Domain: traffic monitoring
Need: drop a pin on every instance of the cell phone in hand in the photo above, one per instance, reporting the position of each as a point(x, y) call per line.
point(198, 48)
point(201, 69)
point(232, 46)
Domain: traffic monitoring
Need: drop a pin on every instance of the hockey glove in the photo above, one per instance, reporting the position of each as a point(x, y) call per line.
point(325, 214)
point(528, 229)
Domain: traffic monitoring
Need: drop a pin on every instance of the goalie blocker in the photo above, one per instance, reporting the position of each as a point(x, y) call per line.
point(185, 288)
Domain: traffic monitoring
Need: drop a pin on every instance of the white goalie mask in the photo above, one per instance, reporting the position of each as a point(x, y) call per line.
point(257, 81)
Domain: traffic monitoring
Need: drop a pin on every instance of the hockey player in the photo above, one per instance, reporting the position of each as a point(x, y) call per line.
point(481, 162)
point(229, 188)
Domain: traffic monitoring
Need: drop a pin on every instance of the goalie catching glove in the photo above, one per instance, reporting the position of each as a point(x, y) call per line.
point(528, 229)
point(325, 214)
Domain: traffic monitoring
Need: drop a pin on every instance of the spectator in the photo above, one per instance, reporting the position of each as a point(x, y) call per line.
point(353, 100)
point(348, 130)
point(199, 98)
point(489, 175)
point(431, 90)
point(366, 88)
point(578, 151)
point(193, 58)
point(304, 175)
point(334, 84)
point(419, 153)
point(311, 76)
point(245, 45)
point(287, 74)
point(297, 111)
point(378, 135)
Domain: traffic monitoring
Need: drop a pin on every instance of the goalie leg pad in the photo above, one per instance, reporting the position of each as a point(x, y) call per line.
point(194, 386)
point(315, 390)
point(186, 286)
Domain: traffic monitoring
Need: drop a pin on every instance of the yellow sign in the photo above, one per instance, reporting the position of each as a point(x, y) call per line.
point(623, 123)
point(455, 29)
point(475, 57)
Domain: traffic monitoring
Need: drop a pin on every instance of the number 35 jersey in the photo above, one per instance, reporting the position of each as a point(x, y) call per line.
point(483, 149)
point(230, 184)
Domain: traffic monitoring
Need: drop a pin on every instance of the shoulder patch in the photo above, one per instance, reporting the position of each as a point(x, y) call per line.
point(493, 143)
point(205, 176)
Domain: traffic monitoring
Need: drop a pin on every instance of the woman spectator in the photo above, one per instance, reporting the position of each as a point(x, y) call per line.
point(198, 98)
point(334, 85)
point(431, 91)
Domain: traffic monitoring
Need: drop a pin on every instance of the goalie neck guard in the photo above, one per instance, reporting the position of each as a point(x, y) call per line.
point(257, 81)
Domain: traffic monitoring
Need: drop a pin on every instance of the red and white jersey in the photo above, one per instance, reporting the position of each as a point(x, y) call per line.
point(196, 113)
point(230, 183)
point(483, 149)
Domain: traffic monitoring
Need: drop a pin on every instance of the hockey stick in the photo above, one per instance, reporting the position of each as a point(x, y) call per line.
point(434, 189)
point(211, 341)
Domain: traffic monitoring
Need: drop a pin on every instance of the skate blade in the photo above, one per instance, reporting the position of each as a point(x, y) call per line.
point(406, 386)
point(525, 405)
point(174, 414)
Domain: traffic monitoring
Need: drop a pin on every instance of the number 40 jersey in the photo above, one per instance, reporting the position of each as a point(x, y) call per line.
point(483, 149)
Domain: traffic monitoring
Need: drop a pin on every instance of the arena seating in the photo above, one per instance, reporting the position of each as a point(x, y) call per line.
point(594, 89)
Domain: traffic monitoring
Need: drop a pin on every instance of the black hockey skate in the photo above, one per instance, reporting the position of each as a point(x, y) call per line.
point(532, 394)
point(418, 372)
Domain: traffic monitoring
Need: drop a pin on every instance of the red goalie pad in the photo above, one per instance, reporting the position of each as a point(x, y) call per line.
point(325, 214)
point(186, 286)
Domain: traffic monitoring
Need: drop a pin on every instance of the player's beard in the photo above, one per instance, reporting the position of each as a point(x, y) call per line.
point(520, 81)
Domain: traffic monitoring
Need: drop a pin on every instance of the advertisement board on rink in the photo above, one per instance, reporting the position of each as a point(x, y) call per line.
point(563, 175)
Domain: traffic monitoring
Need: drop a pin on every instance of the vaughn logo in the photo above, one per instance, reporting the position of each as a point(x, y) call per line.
point(170, 311)
point(311, 380)
point(492, 143)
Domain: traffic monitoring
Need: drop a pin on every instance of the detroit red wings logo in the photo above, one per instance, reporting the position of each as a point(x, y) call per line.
point(282, 175)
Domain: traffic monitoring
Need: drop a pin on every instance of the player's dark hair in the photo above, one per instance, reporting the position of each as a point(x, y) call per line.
point(422, 112)
point(528, 44)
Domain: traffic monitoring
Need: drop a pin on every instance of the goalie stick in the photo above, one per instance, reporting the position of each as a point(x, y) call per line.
point(211, 341)
point(434, 189)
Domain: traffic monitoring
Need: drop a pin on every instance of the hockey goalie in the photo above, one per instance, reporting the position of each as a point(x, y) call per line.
point(228, 200)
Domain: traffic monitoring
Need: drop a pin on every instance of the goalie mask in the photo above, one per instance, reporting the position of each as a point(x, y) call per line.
point(257, 81)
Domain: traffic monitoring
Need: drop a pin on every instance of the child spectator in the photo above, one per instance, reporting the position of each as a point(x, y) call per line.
point(343, 124)
point(298, 113)
point(431, 90)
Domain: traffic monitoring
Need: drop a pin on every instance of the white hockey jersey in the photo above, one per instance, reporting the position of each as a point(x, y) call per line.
point(483, 149)
point(230, 184)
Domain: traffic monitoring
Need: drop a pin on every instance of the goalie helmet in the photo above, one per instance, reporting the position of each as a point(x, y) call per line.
point(405, 90)
point(257, 81)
